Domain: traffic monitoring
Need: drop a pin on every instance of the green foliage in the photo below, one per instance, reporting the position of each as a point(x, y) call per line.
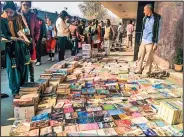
point(179, 56)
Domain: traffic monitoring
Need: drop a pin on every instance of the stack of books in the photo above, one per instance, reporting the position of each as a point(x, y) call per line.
point(86, 51)
point(171, 112)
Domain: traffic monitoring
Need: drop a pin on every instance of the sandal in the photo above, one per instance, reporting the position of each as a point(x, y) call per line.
point(3, 95)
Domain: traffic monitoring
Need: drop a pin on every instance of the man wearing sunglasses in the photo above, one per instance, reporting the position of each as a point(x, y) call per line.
point(32, 23)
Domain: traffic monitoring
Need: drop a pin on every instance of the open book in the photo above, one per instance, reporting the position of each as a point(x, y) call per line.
point(14, 39)
point(4, 40)
point(23, 37)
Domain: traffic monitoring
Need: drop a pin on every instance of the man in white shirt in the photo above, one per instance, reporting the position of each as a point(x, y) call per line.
point(120, 32)
point(130, 30)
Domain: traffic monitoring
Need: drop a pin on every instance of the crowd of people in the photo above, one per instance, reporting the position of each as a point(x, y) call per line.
point(26, 32)
point(65, 32)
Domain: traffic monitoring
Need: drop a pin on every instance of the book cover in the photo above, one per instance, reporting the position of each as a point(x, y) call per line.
point(110, 132)
point(109, 107)
point(99, 118)
point(88, 133)
point(93, 108)
point(68, 110)
point(115, 117)
point(82, 114)
point(106, 124)
point(139, 120)
point(123, 116)
point(90, 120)
point(71, 115)
point(71, 129)
point(150, 132)
point(82, 120)
point(45, 131)
point(54, 123)
point(107, 118)
point(123, 123)
point(137, 132)
point(79, 109)
point(34, 132)
point(115, 112)
point(71, 121)
point(57, 129)
point(122, 130)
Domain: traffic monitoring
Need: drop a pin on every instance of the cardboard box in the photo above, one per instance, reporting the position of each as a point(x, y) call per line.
point(86, 46)
point(24, 112)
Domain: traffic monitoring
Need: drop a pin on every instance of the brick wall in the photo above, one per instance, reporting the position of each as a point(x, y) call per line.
point(171, 35)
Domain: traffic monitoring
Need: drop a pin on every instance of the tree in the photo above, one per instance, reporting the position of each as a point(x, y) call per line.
point(93, 10)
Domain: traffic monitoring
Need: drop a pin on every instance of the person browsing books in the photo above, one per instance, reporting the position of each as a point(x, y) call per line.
point(17, 51)
point(32, 23)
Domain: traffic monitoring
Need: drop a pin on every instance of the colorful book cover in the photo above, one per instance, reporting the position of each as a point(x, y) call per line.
point(123, 116)
point(82, 120)
point(71, 115)
point(90, 120)
point(82, 114)
point(109, 107)
point(115, 112)
point(68, 110)
point(93, 108)
point(115, 117)
point(123, 123)
point(39, 124)
point(100, 113)
point(150, 132)
point(106, 124)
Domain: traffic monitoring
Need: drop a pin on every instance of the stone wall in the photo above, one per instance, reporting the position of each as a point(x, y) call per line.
point(171, 35)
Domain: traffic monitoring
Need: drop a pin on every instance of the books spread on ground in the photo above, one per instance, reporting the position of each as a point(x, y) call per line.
point(97, 97)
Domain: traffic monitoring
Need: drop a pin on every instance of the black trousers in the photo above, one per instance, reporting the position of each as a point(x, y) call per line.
point(75, 46)
point(51, 55)
point(62, 43)
point(31, 69)
point(39, 50)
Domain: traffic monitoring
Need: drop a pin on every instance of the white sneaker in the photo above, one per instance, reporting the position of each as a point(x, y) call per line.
point(49, 59)
point(38, 63)
point(53, 59)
